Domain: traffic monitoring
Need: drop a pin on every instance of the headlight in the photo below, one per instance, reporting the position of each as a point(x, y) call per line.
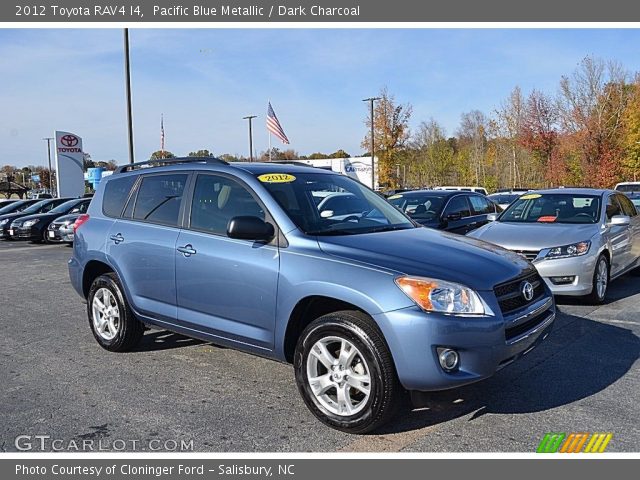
point(573, 250)
point(439, 296)
point(4, 222)
point(30, 223)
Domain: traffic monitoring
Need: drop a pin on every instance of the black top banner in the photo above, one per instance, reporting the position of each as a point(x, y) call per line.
point(319, 11)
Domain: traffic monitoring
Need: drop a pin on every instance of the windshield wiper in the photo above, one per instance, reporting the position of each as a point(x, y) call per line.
point(387, 228)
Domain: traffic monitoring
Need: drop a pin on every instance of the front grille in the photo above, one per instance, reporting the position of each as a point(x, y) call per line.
point(530, 255)
point(510, 297)
point(517, 330)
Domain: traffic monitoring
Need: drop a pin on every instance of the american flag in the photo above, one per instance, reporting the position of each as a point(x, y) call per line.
point(274, 127)
point(162, 133)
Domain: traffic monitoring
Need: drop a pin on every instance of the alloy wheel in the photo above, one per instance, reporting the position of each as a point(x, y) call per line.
point(339, 376)
point(105, 314)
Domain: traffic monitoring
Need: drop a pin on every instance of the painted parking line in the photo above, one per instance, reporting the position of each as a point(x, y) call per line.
point(26, 248)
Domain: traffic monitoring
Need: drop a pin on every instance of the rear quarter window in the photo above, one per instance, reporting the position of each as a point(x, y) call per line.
point(115, 195)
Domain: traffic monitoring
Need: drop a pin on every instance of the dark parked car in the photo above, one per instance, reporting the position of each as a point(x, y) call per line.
point(453, 211)
point(16, 207)
point(61, 230)
point(39, 206)
point(34, 227)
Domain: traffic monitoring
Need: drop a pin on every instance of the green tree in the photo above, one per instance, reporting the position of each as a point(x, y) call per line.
point(201, 153)
point(159, 155)
point(339, 154)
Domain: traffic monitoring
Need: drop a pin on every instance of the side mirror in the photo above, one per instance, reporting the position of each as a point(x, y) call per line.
point(492, 217)
point(620, 220)
point(250, 228)
point(452, 217)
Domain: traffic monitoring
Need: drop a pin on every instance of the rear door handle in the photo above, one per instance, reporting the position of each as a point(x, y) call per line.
point(187, 250)
point(117, 238)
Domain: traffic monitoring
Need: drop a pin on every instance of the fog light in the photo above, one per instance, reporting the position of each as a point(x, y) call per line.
point(562, 280)
point(448, 359)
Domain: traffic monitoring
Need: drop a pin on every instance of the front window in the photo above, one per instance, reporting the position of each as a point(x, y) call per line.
point(329, 204)
point(553, 208)
point(64, 207)
point(36, 207)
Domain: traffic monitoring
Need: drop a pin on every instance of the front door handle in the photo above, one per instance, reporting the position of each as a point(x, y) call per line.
point(117, 238)
point(187, 250)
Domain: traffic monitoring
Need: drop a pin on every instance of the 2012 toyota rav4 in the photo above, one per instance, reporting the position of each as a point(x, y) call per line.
point(366, 308)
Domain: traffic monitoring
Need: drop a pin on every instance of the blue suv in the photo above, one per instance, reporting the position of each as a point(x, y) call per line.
point(366, 304)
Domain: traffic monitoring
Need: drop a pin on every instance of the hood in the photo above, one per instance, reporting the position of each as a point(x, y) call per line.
point(534, 236)
point(12, 216)
point(72, 217)
point(40, 216)
point(431, 253)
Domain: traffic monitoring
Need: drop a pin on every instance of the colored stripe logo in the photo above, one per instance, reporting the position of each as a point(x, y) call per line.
point(574, 442)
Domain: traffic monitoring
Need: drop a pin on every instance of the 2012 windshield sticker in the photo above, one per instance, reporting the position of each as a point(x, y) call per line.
point(276, 178)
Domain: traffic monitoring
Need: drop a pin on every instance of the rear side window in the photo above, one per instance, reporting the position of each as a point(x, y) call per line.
point(159, 198)
point(115, 195)
point(627, 205)
point(481, 205)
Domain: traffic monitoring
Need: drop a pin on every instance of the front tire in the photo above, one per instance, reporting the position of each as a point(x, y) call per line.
point(345, 372)
point(111, 320)
point(600, 281)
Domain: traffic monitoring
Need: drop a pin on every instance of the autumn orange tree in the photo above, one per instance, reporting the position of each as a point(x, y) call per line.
point(391, 133)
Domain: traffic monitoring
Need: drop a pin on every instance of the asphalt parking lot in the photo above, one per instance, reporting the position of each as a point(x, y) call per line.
point(57, 381)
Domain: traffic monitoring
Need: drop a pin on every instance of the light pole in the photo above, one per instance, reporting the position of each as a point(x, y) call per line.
point(250, 118)
point(127, 73)
point(48, 139)
point(373, 143)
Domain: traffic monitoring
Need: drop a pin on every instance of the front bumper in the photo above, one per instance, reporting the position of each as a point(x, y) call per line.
point(23, 233)
point(60, 233)
point(582, 268)
point(484, 344)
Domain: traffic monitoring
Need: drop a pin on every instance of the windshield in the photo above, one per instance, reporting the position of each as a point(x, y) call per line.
point(35, 207)
point(421, 208)
point(330, 204)
point(503, 198)
point(636, 202)
point(553, 208)
point(13, 207)
point(65, 207)
point(632, 187)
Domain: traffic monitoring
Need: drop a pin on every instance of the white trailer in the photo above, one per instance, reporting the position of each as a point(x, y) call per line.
point(358, 168)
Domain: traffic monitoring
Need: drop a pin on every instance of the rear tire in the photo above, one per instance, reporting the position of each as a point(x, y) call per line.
point(345, 372)
point(111, 320)
point(600, 281)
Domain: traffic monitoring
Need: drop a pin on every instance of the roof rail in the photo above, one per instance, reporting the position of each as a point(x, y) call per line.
point(292, 162)
point(161, 162)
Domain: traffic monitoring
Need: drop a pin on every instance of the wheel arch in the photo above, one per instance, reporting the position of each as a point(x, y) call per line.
point(307, 310)
point(92, 270)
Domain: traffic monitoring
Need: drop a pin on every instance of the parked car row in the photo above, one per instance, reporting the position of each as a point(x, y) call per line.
point(310, 267)
point(41, 220)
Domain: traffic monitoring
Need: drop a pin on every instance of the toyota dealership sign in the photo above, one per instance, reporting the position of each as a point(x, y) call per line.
point(69, 164)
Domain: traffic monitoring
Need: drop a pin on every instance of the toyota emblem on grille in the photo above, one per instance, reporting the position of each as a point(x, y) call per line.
point(527, 291)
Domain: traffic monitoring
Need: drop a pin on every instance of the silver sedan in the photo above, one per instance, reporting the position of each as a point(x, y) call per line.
point(579, 239)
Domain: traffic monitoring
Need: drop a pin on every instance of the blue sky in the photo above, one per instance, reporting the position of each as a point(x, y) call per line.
point(206, 80)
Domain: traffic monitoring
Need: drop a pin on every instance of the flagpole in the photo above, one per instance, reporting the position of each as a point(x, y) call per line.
point(269, 103)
